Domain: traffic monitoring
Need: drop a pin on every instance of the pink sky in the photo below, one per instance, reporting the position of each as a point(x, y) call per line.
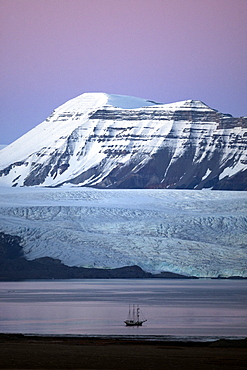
point(163, 50)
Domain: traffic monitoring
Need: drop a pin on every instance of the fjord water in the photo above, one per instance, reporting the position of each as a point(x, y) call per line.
point(174, 308)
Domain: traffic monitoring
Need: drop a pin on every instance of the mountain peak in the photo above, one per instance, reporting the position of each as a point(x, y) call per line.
point(197, 104)
point(118, 141)
point(188, 105)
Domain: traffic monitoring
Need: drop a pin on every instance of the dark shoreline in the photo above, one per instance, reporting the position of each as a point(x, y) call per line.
point(60, 352)
point(153, 340)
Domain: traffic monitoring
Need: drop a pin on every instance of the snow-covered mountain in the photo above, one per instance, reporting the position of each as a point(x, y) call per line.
point(113, 141)
point(198, 233)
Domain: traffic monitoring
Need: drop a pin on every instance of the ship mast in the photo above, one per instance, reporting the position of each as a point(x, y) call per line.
point(129, 316)
point(138, 313)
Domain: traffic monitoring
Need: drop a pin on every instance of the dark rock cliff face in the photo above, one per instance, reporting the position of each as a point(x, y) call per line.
point(162, 171)
point(184, 145)
point(182, 174)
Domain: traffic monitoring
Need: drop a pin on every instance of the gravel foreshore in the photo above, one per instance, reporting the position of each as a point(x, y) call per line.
point(56, 352)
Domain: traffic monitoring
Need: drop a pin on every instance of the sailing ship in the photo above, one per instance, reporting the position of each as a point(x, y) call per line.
point(134, 317)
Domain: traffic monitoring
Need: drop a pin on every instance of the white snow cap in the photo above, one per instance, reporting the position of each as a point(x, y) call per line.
point(99, 99)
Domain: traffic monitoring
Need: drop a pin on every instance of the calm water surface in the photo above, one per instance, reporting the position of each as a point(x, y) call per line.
point(173, 308)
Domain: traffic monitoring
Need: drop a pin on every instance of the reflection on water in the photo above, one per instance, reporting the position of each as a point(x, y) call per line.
point(99, 307)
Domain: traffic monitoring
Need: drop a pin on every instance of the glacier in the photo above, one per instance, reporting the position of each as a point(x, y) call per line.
point(190, 232)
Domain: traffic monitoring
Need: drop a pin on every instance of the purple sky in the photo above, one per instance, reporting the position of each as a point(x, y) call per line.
point(163, 50)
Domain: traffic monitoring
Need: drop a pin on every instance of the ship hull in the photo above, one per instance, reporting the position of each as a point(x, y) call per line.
point(135, 323)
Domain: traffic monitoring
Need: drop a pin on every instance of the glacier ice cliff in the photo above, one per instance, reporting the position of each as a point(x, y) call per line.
point(194, 233)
